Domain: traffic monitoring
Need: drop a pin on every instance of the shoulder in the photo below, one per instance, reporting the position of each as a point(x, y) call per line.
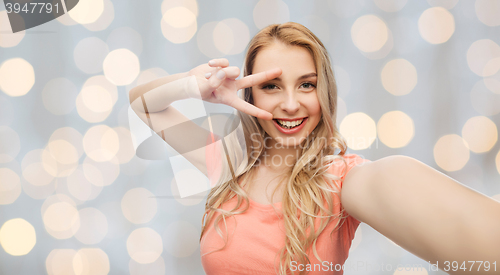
point(361, 182)
point(344, 164)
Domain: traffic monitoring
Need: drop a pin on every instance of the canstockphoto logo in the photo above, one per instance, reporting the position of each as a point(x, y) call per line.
point(25, 14)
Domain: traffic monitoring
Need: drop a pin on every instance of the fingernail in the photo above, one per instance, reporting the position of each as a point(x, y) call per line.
point(220, 74)
point(211, 62)
point(207, 75)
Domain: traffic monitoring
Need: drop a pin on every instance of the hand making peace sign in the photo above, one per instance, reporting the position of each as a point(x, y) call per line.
point(218, 84)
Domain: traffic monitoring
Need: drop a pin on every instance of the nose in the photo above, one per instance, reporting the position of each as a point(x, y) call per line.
point(290, 103)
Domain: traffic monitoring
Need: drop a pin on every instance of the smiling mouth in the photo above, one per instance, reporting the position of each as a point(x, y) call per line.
point(289, 124)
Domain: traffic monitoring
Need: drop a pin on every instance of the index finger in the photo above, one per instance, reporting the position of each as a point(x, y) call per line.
point(254, 79)
point(247, 108)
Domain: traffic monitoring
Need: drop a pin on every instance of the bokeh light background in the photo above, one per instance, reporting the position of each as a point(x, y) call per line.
point(418, 78)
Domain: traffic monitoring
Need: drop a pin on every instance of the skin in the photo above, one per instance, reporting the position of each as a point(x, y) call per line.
point(288, 96)
point(424, 211)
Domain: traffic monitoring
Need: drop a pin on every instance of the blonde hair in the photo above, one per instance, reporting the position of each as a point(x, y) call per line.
point(308, 185)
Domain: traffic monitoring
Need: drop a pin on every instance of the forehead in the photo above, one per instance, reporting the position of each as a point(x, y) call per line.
point(293, 60)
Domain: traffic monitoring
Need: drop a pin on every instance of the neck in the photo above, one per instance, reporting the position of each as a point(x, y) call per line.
point(278, 156)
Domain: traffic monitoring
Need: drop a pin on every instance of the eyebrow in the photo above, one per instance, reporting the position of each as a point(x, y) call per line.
point(300, 78)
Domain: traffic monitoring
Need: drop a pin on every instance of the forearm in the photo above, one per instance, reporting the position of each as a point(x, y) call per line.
point(139, 90)
point(431, 215)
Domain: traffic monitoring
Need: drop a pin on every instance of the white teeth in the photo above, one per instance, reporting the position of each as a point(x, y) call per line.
point(289, 124)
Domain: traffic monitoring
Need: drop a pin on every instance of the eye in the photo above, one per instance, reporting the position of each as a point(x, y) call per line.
point(269, 87)
point(308, 85)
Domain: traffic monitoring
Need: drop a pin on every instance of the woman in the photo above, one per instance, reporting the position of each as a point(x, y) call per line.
point(281, 212)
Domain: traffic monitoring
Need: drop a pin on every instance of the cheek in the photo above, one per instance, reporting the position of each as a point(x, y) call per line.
point(262, 102)
point(313, 107)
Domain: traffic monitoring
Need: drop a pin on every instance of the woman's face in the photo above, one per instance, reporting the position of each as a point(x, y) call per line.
point(291, 97)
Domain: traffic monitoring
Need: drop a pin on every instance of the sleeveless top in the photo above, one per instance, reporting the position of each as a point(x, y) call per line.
point(256, 237)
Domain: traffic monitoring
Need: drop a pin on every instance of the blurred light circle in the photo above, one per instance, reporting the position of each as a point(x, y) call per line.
point(101, 173)
point(480, 133)
point(487, 11)
point(84, 111)
point(436, 25)
point(178, 25)
point(126, 151)
point(59, 95)
point(343, 81)
point(104, 20)
point(10, 186)
point(341, 110)
point(56, 168)
point(395, 129)
point(63, 151)
point(205, 40)
point(7, 38)
point(61, 217)
point(451, 152)
point(60, 262)
point(89, 115)
point(231, 36)
point(102, 81)
point(101, 143)
point(37, 170)
point(191, 5)
point(10, 144)
point(179, 17)
point(144, 245)
point(492, 84)
point(359, 130)
point(223, 37)
point(89, 54)
point(447, 4)
point(139, 205)
point(127, 38)
point(181, 239)
point(483, 57)
point(399, 77)
point(121, 67)
point(87, 11)
point(345, 9)
point(369, 33)
point(97, 99)
point(70, 135)
point(17, 237)
point(492, 67)
point(483, 100)
point(382, 52)
point(390, 5)
point(155, 268)
point(187, 201)
point(267, 12)
point(93, 226)
point(16, 77)
point(91, 261)
point(80, 187)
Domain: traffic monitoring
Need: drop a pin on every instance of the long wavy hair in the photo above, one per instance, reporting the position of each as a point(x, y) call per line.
point(309, 191)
